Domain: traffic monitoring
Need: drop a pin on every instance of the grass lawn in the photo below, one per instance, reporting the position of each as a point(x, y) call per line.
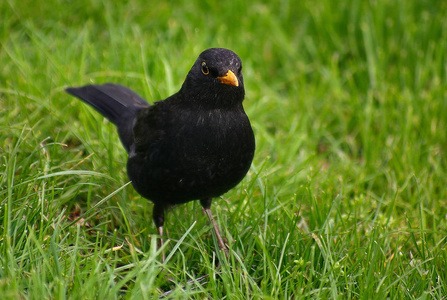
point(347, 194)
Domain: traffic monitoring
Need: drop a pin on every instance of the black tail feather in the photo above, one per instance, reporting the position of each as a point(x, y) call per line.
point(117, 103)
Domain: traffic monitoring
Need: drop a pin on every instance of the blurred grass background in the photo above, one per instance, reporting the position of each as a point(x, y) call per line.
point(347, 194)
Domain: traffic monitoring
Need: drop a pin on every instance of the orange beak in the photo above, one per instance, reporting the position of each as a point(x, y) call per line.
point(229, 78)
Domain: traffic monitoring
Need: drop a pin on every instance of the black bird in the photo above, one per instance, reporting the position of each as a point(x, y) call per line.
point(195, 145)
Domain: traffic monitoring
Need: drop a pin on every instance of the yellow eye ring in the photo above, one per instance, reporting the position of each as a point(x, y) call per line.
point(205, 69)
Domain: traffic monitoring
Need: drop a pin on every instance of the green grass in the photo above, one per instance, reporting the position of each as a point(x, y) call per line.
point(346, 198)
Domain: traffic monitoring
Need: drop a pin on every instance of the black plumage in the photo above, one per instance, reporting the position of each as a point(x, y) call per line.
point(195, 145)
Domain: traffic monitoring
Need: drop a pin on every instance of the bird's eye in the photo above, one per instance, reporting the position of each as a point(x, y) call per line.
point(205, 69)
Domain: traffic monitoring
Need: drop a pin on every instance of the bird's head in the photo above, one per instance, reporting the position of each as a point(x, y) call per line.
point(215, 79)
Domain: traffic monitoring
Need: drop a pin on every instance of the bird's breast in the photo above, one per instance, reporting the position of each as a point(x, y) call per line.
point(199, 156)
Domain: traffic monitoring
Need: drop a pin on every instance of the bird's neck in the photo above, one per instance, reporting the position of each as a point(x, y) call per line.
point(220, 99)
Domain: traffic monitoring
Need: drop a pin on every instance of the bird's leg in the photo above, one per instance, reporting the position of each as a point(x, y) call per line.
point(160, 241)
point(206, 204)
point(158, 215)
